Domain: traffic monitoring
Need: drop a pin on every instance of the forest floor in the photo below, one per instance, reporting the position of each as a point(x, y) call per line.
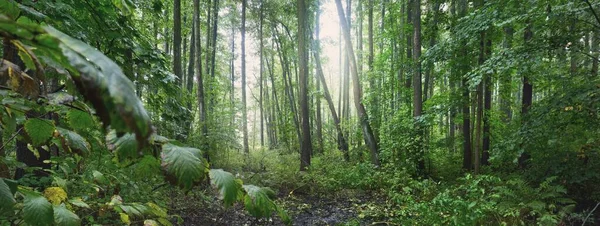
point(303, 208)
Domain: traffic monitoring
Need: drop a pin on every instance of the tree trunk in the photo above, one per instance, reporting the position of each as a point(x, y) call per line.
point(360, 108)
point(306, 144)
point(467, 159)
point(260, 79)
point(177, 40)
point(527, 95)
point(319, 120)
point(416, 83)
point(342, 142)
point(244, 111)
point(199, 78)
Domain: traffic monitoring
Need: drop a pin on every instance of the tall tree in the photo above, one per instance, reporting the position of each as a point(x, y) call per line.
point(306, 144)
point(177, 40)
point(416, 81)
point(244, 111)
point(466, 127)
point(260, 79)
point(367, 132)
point(318, 110)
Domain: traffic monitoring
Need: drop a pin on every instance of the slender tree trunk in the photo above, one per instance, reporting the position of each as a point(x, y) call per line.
point(360, 108)
point(505, 80)
point(199, 79)
point(177, 40)
point(594, 48)
point(260, 80)
point(487, 107)
point(417, 87)
point(318, 83)
point(527, 96)
point(244, 111)
point(342, 142)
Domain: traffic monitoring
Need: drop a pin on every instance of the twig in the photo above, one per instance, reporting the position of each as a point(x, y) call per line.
point(590, 213)
point(593, 11)
point(11, 138)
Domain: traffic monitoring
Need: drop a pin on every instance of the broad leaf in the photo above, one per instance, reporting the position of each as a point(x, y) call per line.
point(17, 80)
point(80, 120)
point(229, 187)
point(37, 210)
point(185, 164)
point(63, 216)
point(73, 141)
point(7, 200)
point(257, 201)
point(39, 130)
point(102, 82)
point(79, 203)
point(124, 147)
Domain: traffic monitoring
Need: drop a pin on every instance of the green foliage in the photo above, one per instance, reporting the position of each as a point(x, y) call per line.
point(37, 210)
point(63, 216)
point(185, 164)
point(7, 201)
point(39, 130)
point(73, 142)
point(229, 187)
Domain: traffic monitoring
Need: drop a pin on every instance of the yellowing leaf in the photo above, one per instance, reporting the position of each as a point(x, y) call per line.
point(55, 195)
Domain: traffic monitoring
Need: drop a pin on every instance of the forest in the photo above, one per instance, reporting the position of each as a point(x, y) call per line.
point(299, 112)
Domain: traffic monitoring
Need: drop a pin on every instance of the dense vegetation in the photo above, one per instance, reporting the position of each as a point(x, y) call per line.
point(462, 112)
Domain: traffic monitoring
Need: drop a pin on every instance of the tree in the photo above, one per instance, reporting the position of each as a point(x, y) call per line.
point(416, 81)
point(367, 132)
point(306, 145)
point(244, 111)
point(177, 40)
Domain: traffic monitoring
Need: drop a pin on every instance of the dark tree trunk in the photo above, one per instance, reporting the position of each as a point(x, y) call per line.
point(368, 136)
point(306, 145)
point(416, 83)
point(177, 40)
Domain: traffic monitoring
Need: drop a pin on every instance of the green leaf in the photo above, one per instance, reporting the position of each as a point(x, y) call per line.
point(80, 120)
point(99, 177)
point(37, 210)
point(229, 188)
point(185, 164)
point(39, 130)
point(10, 9)
point(102, 82)
point(135, 209)
point(74, 141)
point(7, 200)
point(63, 216)
point(257, 201)
point(125, 147)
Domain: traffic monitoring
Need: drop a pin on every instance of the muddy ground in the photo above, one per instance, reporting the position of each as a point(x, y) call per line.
point(304, 209)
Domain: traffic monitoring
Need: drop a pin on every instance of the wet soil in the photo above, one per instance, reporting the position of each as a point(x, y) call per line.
point(303, 208)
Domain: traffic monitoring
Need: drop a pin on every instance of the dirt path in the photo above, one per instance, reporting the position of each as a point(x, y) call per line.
point(304, 209)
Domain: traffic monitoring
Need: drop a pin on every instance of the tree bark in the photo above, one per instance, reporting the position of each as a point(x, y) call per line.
point(360, 108)
point(244, 111)
point(177, 40)
point(306, 145)
point(416, 83)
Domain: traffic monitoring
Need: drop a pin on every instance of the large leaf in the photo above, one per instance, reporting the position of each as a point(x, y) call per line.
point(185, 164)
point(37, 210)
point(12, 76)
point(7, 200)
point(73, 141)
point(229, 187)
point(64, 217)
point(39, 130)
point(102, 82)
point(125, 147)
point(257, 201)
